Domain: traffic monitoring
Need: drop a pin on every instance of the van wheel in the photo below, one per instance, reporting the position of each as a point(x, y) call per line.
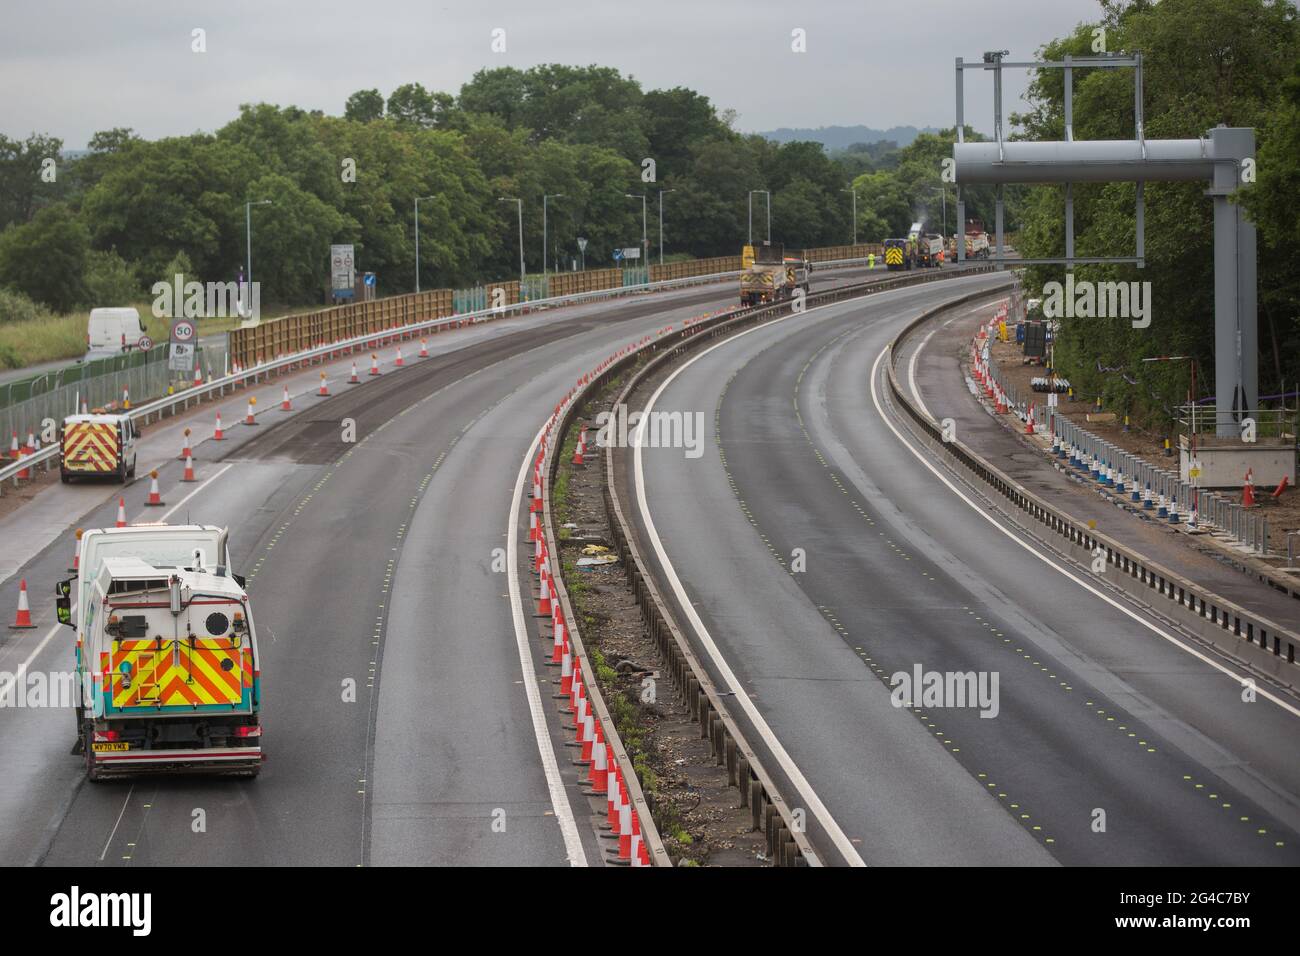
point(131, 473)
point(65, 477)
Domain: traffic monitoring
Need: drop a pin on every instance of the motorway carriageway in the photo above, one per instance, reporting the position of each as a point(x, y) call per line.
point(1114, 743)
point(370, 563)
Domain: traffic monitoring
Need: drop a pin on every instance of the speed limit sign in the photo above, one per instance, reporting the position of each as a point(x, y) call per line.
point(145, 343)
point(182, 330)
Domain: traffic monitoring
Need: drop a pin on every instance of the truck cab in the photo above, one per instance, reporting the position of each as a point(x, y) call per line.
point(99, 444)
point(168, 676)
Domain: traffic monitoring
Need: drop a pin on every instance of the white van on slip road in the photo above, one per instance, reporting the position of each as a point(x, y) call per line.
point(112, 332)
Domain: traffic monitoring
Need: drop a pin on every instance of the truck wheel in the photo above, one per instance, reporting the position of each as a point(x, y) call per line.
point(64, 477)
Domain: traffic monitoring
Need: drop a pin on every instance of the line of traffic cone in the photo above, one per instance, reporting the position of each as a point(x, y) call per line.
point(23, 620)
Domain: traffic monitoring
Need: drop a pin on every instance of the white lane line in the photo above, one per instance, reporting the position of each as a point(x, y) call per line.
point(875, 369)
point(791, 769)
point(120, 815)
point(911, 370)
point(559, 798)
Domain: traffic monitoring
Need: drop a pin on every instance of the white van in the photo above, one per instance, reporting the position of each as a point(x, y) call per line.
point(112, 332)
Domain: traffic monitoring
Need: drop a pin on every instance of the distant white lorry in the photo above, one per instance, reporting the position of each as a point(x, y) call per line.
point(113, 332)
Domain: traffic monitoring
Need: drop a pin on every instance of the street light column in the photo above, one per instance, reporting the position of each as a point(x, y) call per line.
point(248, 237)
point(417, 239)
point(661, 224)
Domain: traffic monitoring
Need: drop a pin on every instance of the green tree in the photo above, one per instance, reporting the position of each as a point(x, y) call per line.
point(109, 281)
point(46, 258)
point(364, 106)
point(22, 187)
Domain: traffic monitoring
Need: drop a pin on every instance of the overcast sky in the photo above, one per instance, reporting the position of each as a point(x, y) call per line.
point(71, 67)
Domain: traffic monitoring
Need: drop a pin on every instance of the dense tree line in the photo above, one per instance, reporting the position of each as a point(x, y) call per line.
point(128, 212)
point(1207, 62)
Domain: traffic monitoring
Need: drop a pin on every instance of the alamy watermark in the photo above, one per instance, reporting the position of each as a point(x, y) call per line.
point(206, 300)
point(946, 689)
point(1083, 299)
point(621, 429)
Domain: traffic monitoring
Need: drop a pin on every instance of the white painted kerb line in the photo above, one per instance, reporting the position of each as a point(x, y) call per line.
point(559, 799)
point(783, 758)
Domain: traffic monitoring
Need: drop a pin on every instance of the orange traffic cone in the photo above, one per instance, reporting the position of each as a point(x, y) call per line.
point(1029, 421)
point(544, 602)
point(352, 379)
point(14, 452)
point(399, 363)
point(324, 389)
point(557, 648)
point(76, 554)
point(582, 446)
point(251, 418)
point(424, 348)
point(599, 772)
point(121, 513)
point(285, 404)
point(534, 532)
point(185, 452)
point(1248, 492)
point(217, 434)
point(155, 497)
point(189, 469)
point(24, 618)
point(198, 375)
point(374, 364)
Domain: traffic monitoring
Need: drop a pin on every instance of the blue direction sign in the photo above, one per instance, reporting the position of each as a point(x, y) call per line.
point(618, 254)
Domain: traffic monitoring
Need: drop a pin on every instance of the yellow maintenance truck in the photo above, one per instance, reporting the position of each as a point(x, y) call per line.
point(772, 276)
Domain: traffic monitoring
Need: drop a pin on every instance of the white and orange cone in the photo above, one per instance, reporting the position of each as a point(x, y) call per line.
point(76, 553)
point(121, 513)
point(399, 363)
point(24, 618)
point(1248, 490)
point(424, 348)
point(352, 379)
point(185, 451)
point(251, 417)
point(285, 404)
point(155, 496)
point(324, 389)
point(374, 364)
point(217, 434)
point(189, 469)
